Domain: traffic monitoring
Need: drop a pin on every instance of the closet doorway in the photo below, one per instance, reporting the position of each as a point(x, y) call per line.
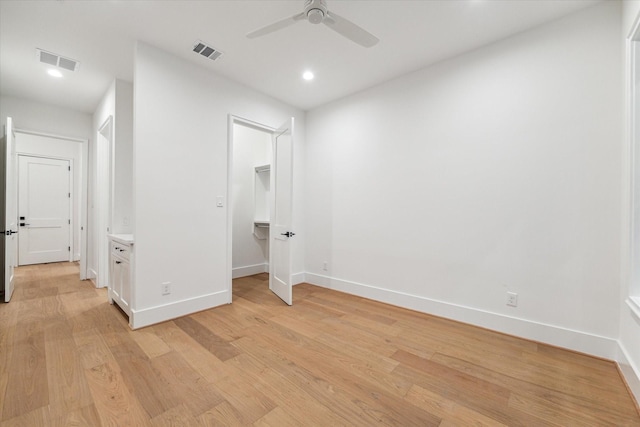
point(260, 203)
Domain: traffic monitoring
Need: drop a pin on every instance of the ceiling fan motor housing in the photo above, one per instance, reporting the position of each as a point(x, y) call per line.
point(315, 10)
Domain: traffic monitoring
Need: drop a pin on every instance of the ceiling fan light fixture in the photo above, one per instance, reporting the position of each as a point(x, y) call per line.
point(315, 16)
point(316, 12)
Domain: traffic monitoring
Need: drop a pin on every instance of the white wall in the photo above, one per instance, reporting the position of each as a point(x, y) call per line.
point(251, 148)
point(180, 167)
point(118, 104)
point(123, 159)
point(50, 119)
point(498, 170)
point(629, 352)
point(45, 146)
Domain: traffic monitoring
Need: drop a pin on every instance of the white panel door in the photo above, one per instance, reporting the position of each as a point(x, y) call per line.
point(280, 233)
point(44, 201)
point(8, 209)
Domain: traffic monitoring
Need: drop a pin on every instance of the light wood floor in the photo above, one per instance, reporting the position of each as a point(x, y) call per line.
point(67, 357)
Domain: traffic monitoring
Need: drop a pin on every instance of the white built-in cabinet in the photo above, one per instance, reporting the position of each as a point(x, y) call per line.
point(120, 259)
point(262, 187)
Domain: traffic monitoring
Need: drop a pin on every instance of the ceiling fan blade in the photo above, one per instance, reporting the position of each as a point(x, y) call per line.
point(350, 30)
point(276, 26)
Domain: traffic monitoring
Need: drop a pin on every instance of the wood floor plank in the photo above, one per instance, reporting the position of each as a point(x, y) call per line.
point(378, 395)
point(27, 386)
point(115, 404)
point(68, 388)
point(451, 412)
point(301, 407)
point(247, 400)
point(150, 343)
point(68, 357)
point(8, 320)
point(588, 399)
point(222, 415)
point(276, 418)
point(143, 380)
point(37, 418)
point(200, 359)
point(85, 416)
point(92, 348)
point(212, 342)
point(178, 416)
point(186, 385)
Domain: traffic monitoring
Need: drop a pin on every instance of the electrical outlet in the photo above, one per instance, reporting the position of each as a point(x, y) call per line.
point(325, 266)
point(166, 288)
point(512, 299)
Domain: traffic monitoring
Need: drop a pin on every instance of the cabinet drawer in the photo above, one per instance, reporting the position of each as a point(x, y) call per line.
point(120, 250)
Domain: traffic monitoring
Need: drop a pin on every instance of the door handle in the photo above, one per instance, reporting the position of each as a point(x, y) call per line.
point(288, 234)
point(10, 232)
point(22, 224)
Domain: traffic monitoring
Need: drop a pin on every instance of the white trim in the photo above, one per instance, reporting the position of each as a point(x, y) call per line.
point(92, 274)
point(634, 304)
point(173, 310)
point(549, 334)
point(297, 278)
point(629, 371)
point(250, 270)
point(50, 135)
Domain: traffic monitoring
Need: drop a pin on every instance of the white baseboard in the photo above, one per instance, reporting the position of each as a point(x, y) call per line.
point(629, 371)
point(250, 270)
point(162, 313)
point(298, 278)
point(92, 274)
point(549, 334)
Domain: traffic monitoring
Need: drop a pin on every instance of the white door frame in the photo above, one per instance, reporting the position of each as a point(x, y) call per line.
point(72, 224)
point(230, 141)
point(84, 184)
point(104, 193)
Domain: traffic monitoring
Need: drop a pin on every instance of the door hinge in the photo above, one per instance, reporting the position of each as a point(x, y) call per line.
point(69, 222)
point(69, 195)
point(69, 168)
point(69, 248)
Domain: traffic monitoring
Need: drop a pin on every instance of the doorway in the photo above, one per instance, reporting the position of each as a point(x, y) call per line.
point(260, 168)
point(68, 156)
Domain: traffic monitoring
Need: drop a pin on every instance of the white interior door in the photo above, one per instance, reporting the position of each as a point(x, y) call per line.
point(8, 209)
point(280, 233)
point(44, 205)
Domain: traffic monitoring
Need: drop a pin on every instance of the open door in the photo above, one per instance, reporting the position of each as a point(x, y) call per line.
point(8, 211)
point(280, 234)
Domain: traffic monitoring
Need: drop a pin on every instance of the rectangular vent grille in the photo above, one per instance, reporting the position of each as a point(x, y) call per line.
point(56, 60)
point(206, 50)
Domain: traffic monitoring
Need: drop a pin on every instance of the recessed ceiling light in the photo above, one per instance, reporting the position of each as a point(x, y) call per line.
point(307, 75)
point(54, 73)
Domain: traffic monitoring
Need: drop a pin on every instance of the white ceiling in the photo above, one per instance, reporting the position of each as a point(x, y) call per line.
point(101, 34)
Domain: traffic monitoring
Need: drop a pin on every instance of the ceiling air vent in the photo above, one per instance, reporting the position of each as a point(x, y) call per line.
point(206, 50)
point(56, 60)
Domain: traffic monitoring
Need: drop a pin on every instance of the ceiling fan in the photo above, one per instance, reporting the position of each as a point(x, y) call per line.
point(316, 12)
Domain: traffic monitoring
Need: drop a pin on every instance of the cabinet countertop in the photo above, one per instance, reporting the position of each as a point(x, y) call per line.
point(126, 239)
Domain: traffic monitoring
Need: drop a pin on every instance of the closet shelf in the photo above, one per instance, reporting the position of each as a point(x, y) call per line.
point(261, 224)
